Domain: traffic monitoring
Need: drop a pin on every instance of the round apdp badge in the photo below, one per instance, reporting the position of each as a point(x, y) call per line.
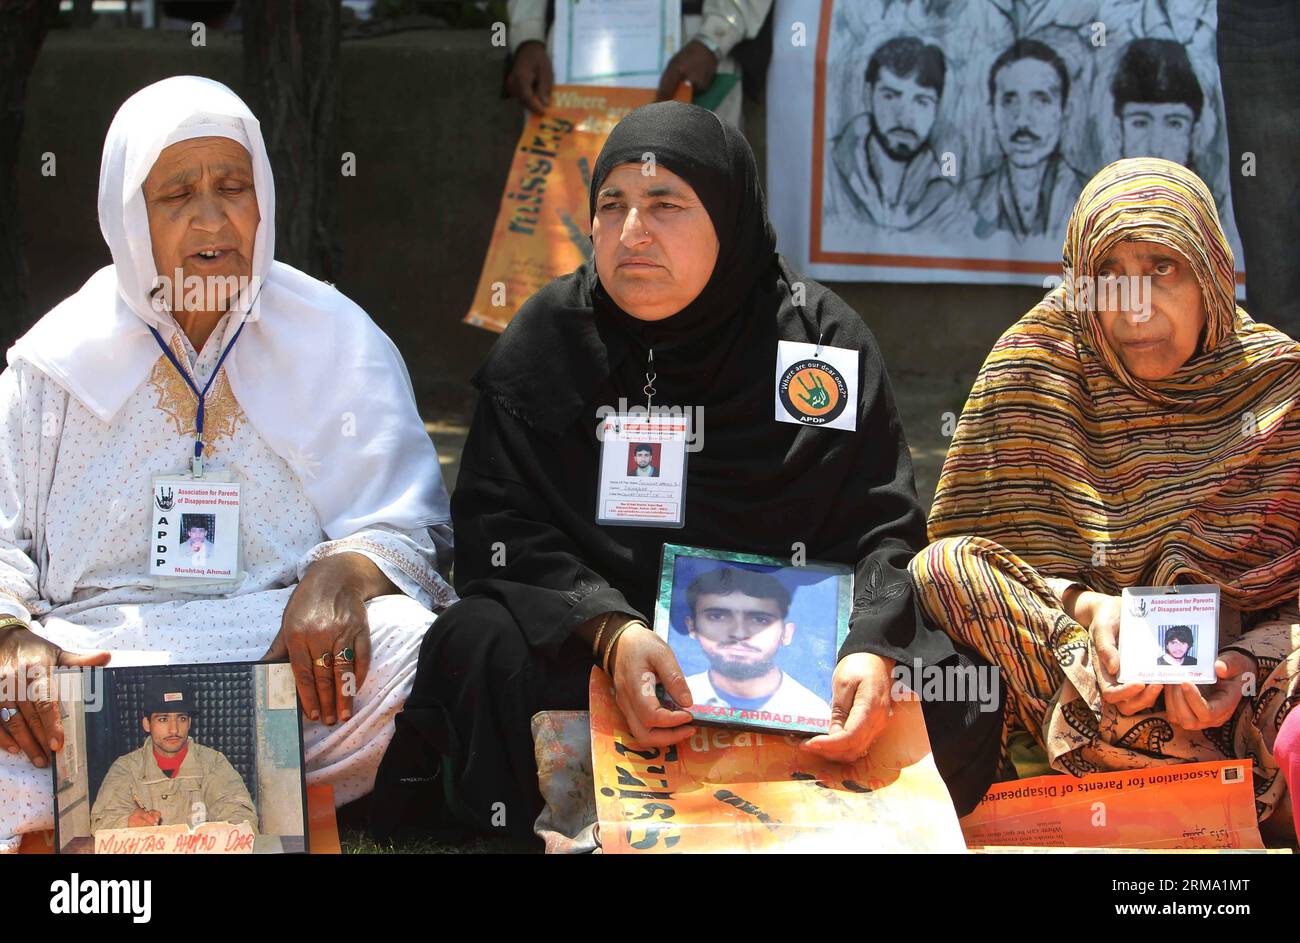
point(813, 392)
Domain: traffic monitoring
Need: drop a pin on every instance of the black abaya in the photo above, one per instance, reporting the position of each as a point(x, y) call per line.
point(531, 562)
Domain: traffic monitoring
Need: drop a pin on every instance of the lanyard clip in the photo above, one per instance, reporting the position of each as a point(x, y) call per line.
point(649, 388)
point(196, 464)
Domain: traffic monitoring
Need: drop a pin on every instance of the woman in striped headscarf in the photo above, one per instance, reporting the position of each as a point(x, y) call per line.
point(1116, 439)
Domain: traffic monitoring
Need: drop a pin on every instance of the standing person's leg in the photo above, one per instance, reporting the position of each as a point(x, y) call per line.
point(1259, 64)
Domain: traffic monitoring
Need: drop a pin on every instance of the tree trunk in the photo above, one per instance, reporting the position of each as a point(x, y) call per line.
point(23, 25)
point(291, 63)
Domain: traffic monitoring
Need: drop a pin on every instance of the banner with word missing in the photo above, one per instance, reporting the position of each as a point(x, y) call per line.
point(542, 227)
point(738, 791)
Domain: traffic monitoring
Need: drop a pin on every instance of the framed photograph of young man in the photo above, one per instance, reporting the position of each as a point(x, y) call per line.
point(180, 759)
point(757, 637)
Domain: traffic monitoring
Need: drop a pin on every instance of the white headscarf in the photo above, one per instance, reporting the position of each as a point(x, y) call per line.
point(309, 364)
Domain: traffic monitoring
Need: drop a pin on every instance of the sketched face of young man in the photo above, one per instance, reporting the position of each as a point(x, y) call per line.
point(1158, 100)
point(169, 732)
point(1155, 129)
point(1028, 90)
point(904, 81)
point(739, 619)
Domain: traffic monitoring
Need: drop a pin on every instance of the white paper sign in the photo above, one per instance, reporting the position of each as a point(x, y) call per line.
point(642, 471)
point(195, 532)
point(620, 43)
point(817, 387)
point(210, 838)
point(1168, 635)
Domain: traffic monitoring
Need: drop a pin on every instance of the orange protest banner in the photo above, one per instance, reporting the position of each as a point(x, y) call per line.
point(542, 227)
point(739, 791)
point(322, 826)
point(1187, 806)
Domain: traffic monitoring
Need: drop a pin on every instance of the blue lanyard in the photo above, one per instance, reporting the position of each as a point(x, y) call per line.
point(196, 465)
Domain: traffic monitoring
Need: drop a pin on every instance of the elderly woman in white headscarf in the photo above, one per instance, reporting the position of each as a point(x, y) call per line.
point(195, 358)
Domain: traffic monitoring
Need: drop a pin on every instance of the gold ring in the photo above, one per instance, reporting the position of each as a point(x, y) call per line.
point(324, 660)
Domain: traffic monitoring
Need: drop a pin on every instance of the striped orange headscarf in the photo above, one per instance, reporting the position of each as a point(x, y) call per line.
point(1089, 473)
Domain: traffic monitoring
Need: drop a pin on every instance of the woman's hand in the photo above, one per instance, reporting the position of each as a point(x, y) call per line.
point(861, 705)
point(639, 660)
point(1101, 614)
point(30, 705)
point(144, 818)
point(1189, 708)
point(325, 633)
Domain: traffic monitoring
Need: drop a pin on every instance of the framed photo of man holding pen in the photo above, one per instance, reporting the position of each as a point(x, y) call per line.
point(180, 759)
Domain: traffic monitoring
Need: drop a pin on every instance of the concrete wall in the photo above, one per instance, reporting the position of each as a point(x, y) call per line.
point(432, 138)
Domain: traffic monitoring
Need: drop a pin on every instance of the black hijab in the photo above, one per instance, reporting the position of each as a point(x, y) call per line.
point(716, 160)
point(525, 500)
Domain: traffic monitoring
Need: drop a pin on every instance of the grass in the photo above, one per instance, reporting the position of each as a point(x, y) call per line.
point(356, 841)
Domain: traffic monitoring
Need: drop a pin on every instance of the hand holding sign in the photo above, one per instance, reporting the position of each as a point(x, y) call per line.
point(1101, 615)
point(1192, 709)
point(639, 660)
point(325, 633)
point(29, 722)
point(861, 707)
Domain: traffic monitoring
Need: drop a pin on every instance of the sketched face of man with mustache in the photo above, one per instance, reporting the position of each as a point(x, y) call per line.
point(740, 634)
point(1028, 107)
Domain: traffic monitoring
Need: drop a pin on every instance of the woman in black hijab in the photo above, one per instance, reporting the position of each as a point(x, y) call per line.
point(686, 270)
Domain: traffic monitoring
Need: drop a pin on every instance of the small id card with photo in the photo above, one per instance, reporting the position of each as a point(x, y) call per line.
point(1169, 634)
point(642, 471)
point(194, 535)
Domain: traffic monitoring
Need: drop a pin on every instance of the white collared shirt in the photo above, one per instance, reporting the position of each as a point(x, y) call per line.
point(790, 697)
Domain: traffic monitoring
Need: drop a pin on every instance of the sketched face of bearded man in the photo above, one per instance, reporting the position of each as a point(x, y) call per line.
point(902, 114)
